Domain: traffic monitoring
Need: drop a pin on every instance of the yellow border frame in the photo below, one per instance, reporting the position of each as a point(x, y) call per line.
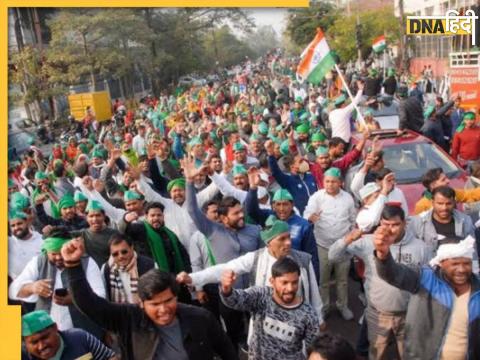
point(10, 315)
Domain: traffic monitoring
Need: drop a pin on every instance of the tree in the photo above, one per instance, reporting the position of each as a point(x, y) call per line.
point(229, 49)
point(302, 23)
point(373, 24)
point(181, 35)
point(92, 43)
point(262, 40)
point(29, 68)
point(339, 29)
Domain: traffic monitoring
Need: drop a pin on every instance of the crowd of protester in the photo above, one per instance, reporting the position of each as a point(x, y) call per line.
point(212, 221)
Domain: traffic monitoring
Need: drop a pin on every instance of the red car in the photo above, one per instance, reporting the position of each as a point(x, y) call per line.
point(409, 156)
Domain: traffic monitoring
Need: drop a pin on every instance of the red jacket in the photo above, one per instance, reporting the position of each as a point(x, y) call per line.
point(343, 164)
point(466, 144)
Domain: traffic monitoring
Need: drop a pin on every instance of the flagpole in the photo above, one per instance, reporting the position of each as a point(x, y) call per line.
point(359, 114)
point(384, 63)
point(384, 57)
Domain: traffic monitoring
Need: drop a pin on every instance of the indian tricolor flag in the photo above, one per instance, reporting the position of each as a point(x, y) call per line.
point(316, 60)
point(379, 44)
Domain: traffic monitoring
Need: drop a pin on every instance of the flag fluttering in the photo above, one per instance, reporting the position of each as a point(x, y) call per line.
point(379, 44)
point(316, 60)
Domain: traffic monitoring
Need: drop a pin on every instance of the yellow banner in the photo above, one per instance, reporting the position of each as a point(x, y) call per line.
point(435, 27)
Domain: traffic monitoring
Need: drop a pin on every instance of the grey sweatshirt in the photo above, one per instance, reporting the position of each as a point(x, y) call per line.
point(409, 251)
point(278, 332)
point(226, 244)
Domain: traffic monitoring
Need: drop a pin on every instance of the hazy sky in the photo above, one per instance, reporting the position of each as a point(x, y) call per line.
point(270, 16)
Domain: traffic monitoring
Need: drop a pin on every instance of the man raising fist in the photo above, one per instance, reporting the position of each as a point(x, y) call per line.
point(282, 321)
point(157, 327)
point(441, 320)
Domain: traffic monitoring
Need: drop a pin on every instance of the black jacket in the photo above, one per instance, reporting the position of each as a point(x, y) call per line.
point(143, 265)
point(137, 334)
point(390, 85)
point(77, 223)
point(410, 112)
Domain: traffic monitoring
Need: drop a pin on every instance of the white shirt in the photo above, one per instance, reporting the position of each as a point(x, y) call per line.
point(340, 119)
point(59, 313)
point(337, 215)
point(369, 216)
point(20, 252)
point(227, 189)
point(396, 195)
point(177, 217)
point(138, 144)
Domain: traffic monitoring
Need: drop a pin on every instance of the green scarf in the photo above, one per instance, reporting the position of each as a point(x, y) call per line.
point(211, 257)
point(155, 242)
point(427, 194)
point(131, 156)
point(53, 207)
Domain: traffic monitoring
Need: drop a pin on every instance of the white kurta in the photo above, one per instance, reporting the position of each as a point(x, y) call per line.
point(59, 313)
point(20, 252)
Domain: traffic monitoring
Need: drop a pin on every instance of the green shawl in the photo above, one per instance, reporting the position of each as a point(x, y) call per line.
point(155, 242)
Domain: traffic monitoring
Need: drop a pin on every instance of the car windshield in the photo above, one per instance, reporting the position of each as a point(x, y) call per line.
point(410, 161)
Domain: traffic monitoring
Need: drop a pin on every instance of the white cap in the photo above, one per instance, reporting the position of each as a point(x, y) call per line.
point(261, 192)
point(263, 176)
point(464, 248)
point(368, 189)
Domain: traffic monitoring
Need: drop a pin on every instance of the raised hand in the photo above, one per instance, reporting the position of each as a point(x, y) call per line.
point(135, 172)
point(88, 182)
point(253, 177)
point(382, 240)
point(360, 85)
point(98, 185)
point(189, 169)
point(388, 183)
point(227, 167)
point(376, 144)
point(116, 154)
point(184, 278)
point(228, 279)
point(369, 161)
point(40, 199)
point(131, 217)
point(269, 147)
point(72, 252)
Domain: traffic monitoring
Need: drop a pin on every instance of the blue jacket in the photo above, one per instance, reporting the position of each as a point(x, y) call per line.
point(301, 231)
point(430, 309)
point(456, 118)
point(301, 188)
